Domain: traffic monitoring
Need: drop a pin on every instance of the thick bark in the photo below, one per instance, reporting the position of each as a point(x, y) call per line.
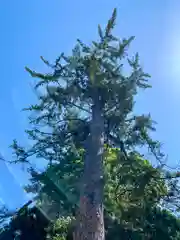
point(90, 222)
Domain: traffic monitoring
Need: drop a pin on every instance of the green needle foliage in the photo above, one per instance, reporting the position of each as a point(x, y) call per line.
point(65, 106)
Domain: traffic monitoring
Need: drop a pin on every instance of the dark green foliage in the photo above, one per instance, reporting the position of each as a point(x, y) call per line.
point(157, 224)
point(27, 223)
point(64, 107)
point(131, 210)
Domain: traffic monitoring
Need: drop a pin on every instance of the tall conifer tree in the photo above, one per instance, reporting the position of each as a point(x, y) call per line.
point(87, 102)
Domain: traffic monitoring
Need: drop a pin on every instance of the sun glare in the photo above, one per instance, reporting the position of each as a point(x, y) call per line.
point(171, 52)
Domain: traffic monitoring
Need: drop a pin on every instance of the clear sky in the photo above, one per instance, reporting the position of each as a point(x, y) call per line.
point(33, 28)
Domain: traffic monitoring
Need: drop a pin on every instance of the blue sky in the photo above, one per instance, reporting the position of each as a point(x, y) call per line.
point(33, 28)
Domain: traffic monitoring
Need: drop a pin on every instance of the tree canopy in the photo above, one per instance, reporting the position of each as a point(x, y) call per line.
point(131, 208)
point(131, 197)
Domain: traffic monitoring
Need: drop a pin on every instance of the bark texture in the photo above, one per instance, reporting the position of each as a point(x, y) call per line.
point(90, 222)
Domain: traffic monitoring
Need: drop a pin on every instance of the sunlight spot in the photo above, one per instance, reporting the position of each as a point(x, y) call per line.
point(169, 61)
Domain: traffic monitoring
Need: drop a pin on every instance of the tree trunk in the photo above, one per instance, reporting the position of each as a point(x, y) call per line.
point(90, 222)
